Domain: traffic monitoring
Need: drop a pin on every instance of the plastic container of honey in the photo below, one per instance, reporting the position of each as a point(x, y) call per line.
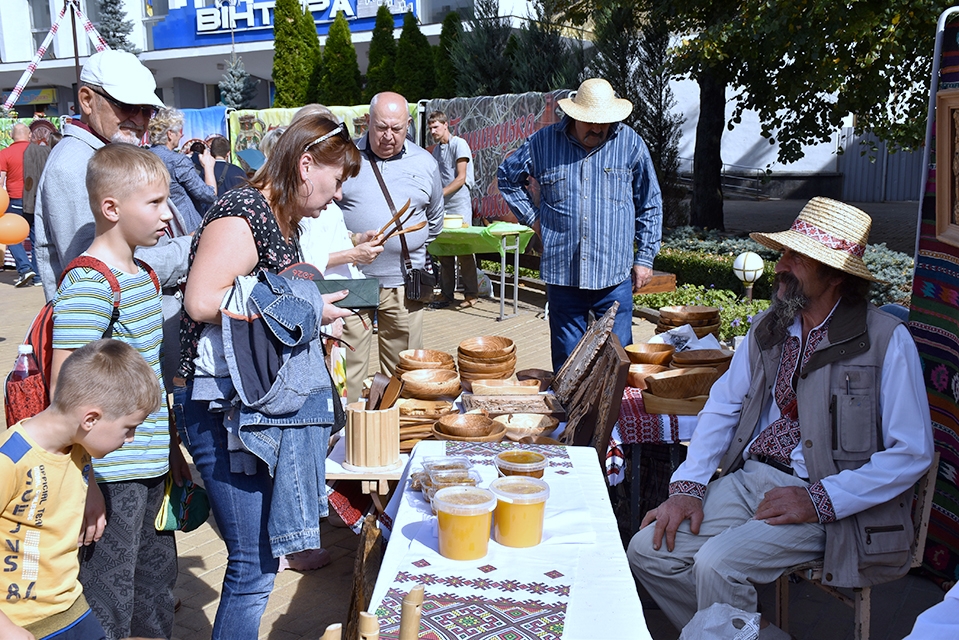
point(519, 462)
point(445, 463)
point(464, 515)
point(520, 511)
point(451, 478)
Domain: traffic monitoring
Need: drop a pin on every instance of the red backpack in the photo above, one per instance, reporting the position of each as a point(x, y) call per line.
point(28, 397)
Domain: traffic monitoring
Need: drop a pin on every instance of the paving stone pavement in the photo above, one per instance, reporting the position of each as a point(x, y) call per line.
point(303, 604)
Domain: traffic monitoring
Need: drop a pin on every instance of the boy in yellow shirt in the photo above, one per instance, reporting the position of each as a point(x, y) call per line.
point(105, 389)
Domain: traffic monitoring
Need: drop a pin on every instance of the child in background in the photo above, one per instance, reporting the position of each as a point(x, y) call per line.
point(128, 570)
point(105, 390)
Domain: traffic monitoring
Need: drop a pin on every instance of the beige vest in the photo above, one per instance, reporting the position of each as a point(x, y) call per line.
point(841, 425)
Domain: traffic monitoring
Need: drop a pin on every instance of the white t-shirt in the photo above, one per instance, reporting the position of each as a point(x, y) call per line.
point(319, 237)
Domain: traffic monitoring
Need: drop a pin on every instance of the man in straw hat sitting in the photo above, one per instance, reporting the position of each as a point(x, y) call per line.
point(599, 212)
point(820, 428)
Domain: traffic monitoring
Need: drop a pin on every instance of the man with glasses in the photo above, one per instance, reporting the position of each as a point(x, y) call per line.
point(116, 99)
point(409, 173)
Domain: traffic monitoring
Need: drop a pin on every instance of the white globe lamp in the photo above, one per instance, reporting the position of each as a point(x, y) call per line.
point(748, 267)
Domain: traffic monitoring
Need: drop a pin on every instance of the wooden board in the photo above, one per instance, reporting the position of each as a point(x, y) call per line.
point(580, 362)
point(661, 282)
point(502, 405)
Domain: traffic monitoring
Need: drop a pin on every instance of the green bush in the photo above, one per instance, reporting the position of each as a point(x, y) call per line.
point(735, 314)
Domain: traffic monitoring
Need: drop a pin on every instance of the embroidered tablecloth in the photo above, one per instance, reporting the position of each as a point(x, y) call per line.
point(570, 585)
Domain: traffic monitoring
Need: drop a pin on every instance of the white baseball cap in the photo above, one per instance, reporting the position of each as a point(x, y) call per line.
point(122, 76)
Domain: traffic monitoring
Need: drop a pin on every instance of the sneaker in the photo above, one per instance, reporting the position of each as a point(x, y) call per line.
point(25, 279)
point(36, 283)
point(305, 560)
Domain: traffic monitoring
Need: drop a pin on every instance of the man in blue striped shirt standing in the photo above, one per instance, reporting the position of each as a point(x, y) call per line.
point(599, 212)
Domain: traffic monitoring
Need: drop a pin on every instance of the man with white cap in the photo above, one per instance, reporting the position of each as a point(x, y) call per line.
point(820, 428)
point(116, 98)
point(599, 212)
point(128, 569)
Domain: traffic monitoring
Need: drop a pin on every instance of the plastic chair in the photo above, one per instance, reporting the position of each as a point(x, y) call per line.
point(860, 599)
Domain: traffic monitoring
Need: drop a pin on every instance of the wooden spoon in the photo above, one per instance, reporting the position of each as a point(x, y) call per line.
point(392, 392)
point(376, 391)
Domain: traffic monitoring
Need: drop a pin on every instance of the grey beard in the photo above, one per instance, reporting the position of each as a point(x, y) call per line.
point(122, 135)
point(788, 300)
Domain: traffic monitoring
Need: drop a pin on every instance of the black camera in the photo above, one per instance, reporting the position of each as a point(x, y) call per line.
point(197, 147)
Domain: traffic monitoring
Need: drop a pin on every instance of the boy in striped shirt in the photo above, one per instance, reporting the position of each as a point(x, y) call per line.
point(127, 568)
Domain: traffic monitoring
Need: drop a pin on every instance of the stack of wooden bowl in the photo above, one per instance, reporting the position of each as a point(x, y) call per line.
point(717, 359)
point(486, 358)
point(415, 359)
point(703, 320)
point(650, 353)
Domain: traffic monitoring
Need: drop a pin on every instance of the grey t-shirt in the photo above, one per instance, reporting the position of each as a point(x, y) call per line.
point(446, 156)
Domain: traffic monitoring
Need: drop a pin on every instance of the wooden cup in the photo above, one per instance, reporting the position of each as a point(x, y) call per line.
point(372, 437)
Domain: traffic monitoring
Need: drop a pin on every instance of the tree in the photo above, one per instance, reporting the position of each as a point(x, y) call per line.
point(114, 27)
point(803, 67)
point(654, 117)
point(482, 67)
point(290, 72)
point(380, 67)
point(616, 37)
point(543, 59)
point(340, 83)
point(237, 88)
point(445, 69)
point(314, 56)
point(415, 75)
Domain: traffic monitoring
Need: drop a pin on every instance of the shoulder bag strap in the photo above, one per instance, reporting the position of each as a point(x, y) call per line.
point(407, 263)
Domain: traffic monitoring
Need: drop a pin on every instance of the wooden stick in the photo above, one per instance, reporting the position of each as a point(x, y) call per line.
point(411, 613)
point(395, 217)
point(333, 632)
point(394, 232)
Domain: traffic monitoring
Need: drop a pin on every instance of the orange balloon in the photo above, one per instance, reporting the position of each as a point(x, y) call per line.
point(4, 201)
point(13, 229)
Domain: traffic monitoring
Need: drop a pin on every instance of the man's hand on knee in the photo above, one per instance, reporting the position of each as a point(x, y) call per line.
point(670, 515)
point(786, 505)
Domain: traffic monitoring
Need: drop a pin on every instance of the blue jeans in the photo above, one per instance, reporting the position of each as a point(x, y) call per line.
point(24, 263)
point(241, 507)
point(569, 309)
point(86, 627)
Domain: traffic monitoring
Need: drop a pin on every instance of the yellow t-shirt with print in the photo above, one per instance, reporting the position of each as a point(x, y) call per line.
point(43, 497)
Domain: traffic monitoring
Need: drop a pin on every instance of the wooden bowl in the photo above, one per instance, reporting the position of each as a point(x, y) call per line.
point(485, 360)
point(497, 434)
point(487, 375)
point(645, 353)
point(717, 358)
point(505, 387)
point(540, 440)
point(545, 377)
point(484, 346)
point(681, 383)
point(426, 359)
point(470, 367)
point(689, 313)
point(521, 425)
point(466, 425)
point(637, 374)
point(675, 406)
point(430, 384)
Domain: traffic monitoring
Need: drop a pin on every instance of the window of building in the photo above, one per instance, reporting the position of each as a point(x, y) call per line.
point(40, 24)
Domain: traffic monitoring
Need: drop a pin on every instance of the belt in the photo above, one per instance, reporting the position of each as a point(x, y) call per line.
point(776, 464)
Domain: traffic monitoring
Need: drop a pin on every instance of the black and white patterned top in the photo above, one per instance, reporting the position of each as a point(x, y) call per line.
point(273, 251)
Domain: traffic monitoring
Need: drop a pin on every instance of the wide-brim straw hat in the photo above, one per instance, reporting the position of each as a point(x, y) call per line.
point(596, 102)
point(828, 231)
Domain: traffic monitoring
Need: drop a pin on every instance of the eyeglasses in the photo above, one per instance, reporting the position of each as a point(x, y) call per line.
point(340, 131)
point(128, 110)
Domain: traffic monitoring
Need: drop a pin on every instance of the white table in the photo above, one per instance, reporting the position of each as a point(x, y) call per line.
point(581, 543)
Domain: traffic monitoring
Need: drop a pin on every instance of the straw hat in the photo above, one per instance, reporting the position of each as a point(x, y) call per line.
point(828, 231)
point(596, 102)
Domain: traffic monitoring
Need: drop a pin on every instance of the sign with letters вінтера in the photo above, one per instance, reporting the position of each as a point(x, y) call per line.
point(198, 23)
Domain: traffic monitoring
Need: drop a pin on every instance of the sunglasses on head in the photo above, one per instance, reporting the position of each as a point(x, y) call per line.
point(339, 130)
point(128, 110)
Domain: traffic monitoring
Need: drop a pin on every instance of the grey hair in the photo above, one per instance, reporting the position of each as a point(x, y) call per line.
point(166, 119)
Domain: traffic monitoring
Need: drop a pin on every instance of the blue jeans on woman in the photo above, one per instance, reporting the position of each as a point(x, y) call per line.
point(241, 507)
point(569, 309)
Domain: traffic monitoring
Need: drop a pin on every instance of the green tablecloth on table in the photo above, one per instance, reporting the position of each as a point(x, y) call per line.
point(461, 242)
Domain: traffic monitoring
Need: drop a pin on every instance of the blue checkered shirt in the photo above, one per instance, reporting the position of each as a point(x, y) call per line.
point(594, 204)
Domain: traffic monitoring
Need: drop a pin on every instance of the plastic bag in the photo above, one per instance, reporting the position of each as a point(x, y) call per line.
point(484, 287)
point(722, 622)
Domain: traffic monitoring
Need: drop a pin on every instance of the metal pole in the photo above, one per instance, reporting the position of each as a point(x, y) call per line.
point(76, 53)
